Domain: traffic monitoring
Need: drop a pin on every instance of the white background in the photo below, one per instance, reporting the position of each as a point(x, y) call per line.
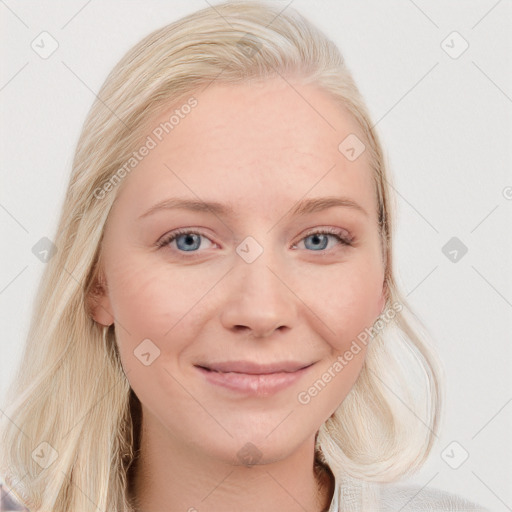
point(446, 127)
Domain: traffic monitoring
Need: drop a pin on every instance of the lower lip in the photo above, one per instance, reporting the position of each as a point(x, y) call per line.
point(250, 384)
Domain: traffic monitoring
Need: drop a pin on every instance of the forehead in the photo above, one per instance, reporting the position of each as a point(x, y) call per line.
point(255, 145)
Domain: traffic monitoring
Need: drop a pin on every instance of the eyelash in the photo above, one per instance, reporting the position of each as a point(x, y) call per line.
point(344, 241)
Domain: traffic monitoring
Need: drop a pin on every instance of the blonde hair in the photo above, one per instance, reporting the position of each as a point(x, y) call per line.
point(70, 390)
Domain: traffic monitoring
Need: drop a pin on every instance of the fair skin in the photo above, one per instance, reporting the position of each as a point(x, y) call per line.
point(259, 149)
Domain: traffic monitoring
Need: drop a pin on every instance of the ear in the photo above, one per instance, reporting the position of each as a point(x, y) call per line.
point(98, 302)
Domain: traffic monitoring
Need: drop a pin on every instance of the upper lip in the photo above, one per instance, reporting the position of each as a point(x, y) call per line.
point(250, 367)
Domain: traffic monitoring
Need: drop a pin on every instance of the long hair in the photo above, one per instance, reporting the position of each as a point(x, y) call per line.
point(71, 423)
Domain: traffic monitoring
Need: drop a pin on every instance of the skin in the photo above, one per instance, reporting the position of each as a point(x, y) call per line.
point(260, 148)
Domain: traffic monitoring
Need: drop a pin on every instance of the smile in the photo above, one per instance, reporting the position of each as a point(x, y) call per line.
point(253, 379)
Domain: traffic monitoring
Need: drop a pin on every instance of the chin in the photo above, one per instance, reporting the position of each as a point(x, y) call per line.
point(252, 448)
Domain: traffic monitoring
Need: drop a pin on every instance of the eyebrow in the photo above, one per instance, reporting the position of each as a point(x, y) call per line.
point(302, 208)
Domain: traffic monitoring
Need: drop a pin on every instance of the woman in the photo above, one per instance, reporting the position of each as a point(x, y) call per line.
point(220, 327)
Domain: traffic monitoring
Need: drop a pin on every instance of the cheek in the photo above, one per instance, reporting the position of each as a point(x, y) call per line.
point(348, 303)
point(149, 301)
point(351, 301)
point(147, 293)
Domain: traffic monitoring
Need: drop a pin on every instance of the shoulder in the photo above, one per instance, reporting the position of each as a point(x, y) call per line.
point(8, 502)
point(422, 499)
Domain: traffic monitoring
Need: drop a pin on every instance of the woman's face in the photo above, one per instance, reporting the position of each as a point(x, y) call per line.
point(248, 288)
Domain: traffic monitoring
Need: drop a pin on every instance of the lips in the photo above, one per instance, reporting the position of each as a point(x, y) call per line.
point(251, 368)
point(252, 379)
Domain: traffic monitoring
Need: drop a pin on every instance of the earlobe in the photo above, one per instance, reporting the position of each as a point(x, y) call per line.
point(98, 304)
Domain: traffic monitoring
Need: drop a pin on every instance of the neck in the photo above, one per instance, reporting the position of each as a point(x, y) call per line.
point(170, 476)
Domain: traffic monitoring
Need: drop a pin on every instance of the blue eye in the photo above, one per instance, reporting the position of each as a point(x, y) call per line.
point(188, 240)
point(320, 240)
point(191, 241)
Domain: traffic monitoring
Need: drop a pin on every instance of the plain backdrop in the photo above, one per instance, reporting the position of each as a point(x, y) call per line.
point(444, 113)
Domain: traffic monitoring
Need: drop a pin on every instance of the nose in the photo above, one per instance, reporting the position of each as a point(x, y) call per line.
point(259, 301)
